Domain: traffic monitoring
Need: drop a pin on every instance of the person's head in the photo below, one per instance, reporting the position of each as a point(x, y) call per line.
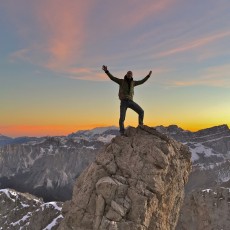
point(129, 74)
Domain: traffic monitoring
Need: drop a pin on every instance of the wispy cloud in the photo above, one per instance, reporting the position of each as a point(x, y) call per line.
point(133, 12)
point(19, 54)
point(64, 36)
point(60, 32)
point(217, 76)
point(195, 44)
point(85, 74)
point(62, 22)
point(99, 75)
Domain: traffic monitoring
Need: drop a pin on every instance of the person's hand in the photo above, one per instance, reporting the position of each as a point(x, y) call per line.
point(150, 72)
point(104, 67)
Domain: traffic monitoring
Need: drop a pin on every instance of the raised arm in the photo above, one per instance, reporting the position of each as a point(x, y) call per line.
point(143, 80)
point(117, 80)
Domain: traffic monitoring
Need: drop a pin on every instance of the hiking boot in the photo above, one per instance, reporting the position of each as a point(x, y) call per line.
point(123, 134)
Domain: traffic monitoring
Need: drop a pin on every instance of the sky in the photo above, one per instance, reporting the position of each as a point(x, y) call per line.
point(52, 52)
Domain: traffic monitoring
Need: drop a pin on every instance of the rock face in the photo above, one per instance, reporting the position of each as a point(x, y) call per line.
point(136, 183)
point(25, 211)
point(206, 209)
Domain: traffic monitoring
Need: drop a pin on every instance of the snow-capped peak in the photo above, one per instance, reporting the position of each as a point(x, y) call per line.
point(95, 131)
point(93, 134)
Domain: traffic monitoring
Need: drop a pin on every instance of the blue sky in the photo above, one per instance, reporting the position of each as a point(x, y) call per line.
point(51, 53)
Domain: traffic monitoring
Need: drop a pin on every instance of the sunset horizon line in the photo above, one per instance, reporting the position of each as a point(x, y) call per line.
point(52, 130)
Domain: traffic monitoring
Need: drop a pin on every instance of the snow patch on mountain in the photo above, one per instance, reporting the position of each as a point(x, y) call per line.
point(106, 139)
point(198, 149)
point(89, 147)
point(103, 134)
point(53, 223)
point(96, 131)
point(51, 205)
point(23, 219)
point(10, 194)
point(24, 211)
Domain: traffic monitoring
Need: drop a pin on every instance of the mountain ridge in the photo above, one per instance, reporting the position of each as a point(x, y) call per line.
point(48, 167)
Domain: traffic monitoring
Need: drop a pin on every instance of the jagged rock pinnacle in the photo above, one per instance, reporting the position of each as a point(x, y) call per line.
point(136, 183)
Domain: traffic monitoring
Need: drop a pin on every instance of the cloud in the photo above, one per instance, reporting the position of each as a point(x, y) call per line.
point(61, 31)
point(62, 22)
point(195, 44)
point(135, 12)
point(68, 35)
point(57, 31)
point(85, 74)
point(217, 76)
point(20, 54)
point(90, 74)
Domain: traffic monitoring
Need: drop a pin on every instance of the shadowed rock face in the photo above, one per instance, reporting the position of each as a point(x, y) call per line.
point(136, 182)
point(206, 209)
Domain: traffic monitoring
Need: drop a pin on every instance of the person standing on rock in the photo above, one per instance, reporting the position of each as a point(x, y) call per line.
point(126, 92)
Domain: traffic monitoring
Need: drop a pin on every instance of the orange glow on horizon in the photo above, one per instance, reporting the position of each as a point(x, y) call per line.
point(44, 130)
point(63, 130)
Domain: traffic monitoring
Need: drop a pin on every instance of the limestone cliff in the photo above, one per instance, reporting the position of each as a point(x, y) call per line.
point(136, 183)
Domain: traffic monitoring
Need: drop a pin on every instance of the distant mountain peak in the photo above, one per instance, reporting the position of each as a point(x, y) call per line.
point(223, 126)
point(97, 130)
point(214, 129)
point(94, 132)
point(171, 129)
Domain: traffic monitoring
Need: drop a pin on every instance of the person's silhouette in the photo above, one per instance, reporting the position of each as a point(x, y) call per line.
point(126, 92)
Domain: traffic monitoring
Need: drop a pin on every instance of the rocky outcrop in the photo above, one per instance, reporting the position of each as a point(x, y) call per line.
point(25, 211)
point(136, 182)
point(206, 209)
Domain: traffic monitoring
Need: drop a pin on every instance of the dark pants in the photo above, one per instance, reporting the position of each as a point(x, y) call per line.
point(125, 104)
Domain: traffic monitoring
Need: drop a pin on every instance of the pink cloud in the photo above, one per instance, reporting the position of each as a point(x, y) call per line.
point(194, 44)
point(62, 22)
point(56, 32)
point(62, 32)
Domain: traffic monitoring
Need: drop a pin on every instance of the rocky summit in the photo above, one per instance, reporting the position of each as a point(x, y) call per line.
point(136, 183)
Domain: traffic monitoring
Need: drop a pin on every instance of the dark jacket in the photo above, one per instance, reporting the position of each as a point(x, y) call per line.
point(126, 89)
